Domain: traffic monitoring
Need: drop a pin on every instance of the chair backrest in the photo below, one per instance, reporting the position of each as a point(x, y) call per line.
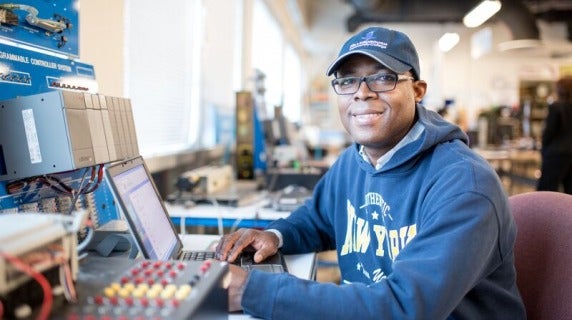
point(543, 253)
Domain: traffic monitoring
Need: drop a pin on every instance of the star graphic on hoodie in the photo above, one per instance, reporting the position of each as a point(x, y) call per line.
point(375, 215)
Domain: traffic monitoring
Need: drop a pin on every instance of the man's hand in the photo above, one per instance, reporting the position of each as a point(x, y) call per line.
point(265, 244)
point(238, 278)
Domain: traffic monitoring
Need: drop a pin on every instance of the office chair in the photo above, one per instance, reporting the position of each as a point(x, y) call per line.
point(543, 253)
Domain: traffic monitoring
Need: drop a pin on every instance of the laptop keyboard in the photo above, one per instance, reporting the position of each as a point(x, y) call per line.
point(246, 260)
point(197, 255)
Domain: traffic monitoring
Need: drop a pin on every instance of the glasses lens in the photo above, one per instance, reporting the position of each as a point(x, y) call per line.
point(378, 83)
point(346, 85)
point(381, 82)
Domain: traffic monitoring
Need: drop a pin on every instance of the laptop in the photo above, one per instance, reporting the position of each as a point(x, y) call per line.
point(150, 223)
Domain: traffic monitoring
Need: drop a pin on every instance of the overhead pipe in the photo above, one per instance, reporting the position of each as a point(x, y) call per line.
point(520, 21)
point(367, 5)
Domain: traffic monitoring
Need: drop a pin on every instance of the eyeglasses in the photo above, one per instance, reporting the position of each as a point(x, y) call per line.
point(380, 82)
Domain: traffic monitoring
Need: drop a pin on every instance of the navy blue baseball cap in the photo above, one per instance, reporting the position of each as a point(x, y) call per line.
point(391, 48)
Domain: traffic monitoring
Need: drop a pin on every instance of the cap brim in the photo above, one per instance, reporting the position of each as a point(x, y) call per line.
point(388, 61)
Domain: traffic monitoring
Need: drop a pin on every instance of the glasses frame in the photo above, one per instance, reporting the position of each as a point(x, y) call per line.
point(367, 80)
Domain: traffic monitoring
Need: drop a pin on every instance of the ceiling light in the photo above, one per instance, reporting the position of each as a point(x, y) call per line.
point(448, 41)
point(481, 13)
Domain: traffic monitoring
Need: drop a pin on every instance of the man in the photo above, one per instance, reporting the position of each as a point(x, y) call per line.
point(420, 223)
point(557, 141)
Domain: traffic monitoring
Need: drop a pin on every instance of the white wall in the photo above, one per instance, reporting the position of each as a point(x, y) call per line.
point(101, 34)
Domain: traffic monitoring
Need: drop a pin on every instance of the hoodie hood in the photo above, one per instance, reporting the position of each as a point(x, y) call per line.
point(436, 131)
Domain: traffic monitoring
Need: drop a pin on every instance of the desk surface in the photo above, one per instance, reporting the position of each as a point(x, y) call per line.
point(509, 154)
point(255, 211)
point(256, 215)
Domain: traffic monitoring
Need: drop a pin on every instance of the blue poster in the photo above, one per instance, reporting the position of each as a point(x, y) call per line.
point(24, 72)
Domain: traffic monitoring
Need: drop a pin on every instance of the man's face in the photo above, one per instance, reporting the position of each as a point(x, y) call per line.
point(378, 121)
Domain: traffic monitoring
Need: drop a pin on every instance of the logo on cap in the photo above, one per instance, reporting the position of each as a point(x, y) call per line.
point(368, 36)
point(368, 40)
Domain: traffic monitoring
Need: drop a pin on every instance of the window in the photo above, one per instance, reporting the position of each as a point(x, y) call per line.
point(162, 72)
point(267, 54)
point(274, 56)
point(292, 85)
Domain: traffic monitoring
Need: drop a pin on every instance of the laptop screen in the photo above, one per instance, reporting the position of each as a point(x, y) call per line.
point(144, 210)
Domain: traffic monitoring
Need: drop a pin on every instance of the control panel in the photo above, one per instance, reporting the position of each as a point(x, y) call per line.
point(150, 289)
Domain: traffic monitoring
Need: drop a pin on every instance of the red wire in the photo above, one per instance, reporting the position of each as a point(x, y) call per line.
point(42, 281)
point(99, 178)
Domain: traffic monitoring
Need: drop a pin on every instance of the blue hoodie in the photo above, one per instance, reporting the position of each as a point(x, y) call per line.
point(427, 236)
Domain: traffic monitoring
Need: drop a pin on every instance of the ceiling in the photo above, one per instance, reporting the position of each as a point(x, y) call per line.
point(519, 15)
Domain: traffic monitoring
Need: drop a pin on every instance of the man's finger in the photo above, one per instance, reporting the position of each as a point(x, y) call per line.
point(264, 252)
point(226, 243)
point(245, 239)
